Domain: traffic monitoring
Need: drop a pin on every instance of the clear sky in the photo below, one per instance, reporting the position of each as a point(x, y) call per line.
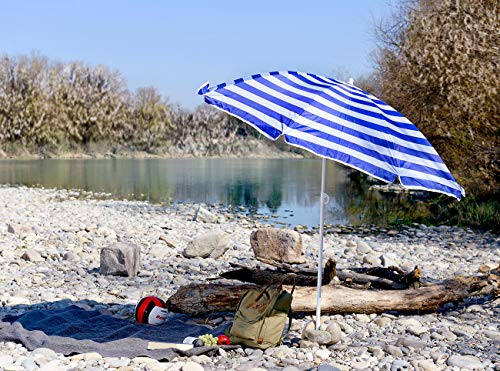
point(178, 45)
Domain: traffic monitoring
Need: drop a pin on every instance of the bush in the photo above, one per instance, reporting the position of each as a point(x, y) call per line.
point(437, 63)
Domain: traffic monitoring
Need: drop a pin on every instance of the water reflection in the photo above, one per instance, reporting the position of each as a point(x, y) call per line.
point(288, 188)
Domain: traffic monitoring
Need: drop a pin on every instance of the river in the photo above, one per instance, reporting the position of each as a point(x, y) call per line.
point(286, 189)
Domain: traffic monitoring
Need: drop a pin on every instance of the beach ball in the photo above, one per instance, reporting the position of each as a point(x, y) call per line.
point(151, 310)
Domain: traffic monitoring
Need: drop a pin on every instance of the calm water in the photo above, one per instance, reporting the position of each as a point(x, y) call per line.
point(286, 188)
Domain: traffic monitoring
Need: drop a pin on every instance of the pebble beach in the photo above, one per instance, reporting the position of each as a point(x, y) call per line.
point(50, 243)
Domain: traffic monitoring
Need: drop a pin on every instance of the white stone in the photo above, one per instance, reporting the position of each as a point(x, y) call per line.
point(6, 360)
point(467, 362)
point(192, 366)
point(323, 354)
point(17, 300)
point(204, 216)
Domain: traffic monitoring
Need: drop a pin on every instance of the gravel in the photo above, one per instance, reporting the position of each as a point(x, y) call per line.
point(50, 242)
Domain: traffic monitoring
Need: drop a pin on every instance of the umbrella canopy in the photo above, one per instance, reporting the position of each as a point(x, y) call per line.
point(337, 121)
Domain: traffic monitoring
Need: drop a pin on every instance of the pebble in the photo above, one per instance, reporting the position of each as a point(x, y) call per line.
point(467, 362)
point(6, 360)
point(68, 234)
point(323, 354)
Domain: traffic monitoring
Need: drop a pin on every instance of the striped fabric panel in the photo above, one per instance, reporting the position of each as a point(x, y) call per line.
point(337, 121)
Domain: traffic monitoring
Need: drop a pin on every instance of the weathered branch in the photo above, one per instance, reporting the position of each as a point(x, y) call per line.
point(209, 298)
point(383, 278)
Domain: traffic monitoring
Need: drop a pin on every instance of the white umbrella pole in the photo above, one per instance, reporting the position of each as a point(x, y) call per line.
point(320, 251)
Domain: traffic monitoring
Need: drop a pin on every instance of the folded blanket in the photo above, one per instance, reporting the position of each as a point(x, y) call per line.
point(72, 330)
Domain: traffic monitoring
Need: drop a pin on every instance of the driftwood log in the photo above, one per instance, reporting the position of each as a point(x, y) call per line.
point(391, 278)
point(209, 298)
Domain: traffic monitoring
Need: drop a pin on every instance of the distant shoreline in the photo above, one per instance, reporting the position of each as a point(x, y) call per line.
point(127, 153)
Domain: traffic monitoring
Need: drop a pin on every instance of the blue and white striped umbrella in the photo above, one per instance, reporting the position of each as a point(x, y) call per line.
point(336, 121)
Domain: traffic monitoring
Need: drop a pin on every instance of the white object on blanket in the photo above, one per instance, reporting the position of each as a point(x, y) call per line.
point(159, 345)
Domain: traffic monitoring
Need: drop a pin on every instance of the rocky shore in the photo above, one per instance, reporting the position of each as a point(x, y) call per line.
point(50, 243)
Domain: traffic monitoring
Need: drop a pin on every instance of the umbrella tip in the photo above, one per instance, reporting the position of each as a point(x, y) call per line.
point(351, 81)
point(203, 89)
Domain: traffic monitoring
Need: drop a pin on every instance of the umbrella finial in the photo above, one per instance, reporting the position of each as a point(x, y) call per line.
point(351, 81)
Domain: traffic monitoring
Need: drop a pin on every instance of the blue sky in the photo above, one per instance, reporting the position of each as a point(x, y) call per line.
point(177, 45)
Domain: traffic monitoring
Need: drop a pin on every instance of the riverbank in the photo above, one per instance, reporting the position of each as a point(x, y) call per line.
point(64, 232)
point(251, 148)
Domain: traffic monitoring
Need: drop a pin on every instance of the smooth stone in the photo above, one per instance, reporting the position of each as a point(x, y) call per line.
point(192, 366)
point(439, 358)
point(416, 330)
point(29, 364)
point(363, 248)
point(409, 322)
point(448, 335)
point(120, 259)
point(323, 354)
point(6, 360)
point(17, 300)
point(204, 216)
point(307, 344)
point(372, 259)
point(362, 318)
point(32, 256)
point(382, 321)
point(335, 333)
point(159, 251)
point(327, 367)
point(399, 365)
point(71, 256)
point(495, 335)
point(425, 365)
point(14, 367)
point(54, 365)
point(21, 230)
point(283, 245)
point(468, 362)
point(351, 243)
point(117, 362)
point(409, 342)
point(46, 352)
point(392, 350)
point(388, 261)
point(208, 245)
point(317, 336)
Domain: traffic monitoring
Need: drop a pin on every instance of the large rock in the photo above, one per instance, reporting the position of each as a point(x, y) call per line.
point(205, 216)
point(282, 245)
point(120, 259)
point(208, 245)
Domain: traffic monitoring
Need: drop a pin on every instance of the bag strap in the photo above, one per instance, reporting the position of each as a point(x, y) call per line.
point(259, 296)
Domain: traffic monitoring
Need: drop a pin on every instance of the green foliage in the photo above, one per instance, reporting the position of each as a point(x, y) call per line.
point(475, 212)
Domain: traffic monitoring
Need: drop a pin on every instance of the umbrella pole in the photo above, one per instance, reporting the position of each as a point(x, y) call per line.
point(320, 251)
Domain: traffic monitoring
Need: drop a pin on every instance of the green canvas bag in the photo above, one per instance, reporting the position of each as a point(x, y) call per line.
point(261, 317)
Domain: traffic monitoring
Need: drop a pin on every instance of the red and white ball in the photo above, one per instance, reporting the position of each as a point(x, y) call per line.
point(151, 310)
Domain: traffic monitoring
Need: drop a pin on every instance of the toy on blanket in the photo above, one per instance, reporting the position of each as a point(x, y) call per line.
point(151, 310)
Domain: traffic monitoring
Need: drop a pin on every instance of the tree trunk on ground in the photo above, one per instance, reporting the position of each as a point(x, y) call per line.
point(209, 298)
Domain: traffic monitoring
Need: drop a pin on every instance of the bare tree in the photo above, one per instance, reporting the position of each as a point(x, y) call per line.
point(438, 63)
